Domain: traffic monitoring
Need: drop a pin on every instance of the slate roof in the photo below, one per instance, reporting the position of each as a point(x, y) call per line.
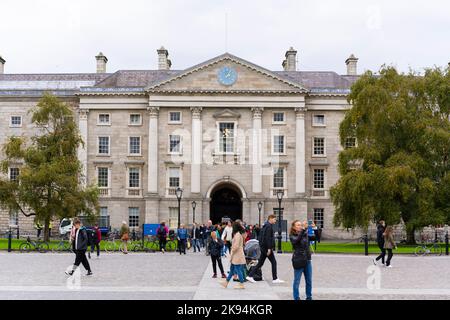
point(54, 77)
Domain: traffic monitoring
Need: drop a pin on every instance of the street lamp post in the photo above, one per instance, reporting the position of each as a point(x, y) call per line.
point(194, 204)
point(280, 194)
point(179, 194)
point(259, 209)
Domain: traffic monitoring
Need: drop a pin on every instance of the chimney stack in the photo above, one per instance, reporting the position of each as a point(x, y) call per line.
point(290, 63)
point(2, 65)
point(352, 63)
point(101, 62)
point(163, 62)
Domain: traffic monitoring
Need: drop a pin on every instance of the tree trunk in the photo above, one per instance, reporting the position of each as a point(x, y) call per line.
point(46, 225)
point(410, 235)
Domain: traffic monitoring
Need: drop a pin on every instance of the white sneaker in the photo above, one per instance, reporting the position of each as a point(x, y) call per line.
point(374, 262)
point(278, 281)
point(251, 279)
point(389, 266)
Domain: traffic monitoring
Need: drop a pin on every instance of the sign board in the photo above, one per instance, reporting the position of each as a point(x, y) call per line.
point(225, 219)
point(150, 229)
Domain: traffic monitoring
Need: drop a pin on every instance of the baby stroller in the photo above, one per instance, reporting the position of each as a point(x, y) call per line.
point(252, 252)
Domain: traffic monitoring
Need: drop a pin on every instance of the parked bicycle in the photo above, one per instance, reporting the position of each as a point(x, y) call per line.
point(63, 246)
point(32, 245)
point(432, 248)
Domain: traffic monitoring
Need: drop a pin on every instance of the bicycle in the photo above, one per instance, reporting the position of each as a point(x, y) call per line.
point(31, 245)
point(423, 249)
point(111, 244)
point(63, 246)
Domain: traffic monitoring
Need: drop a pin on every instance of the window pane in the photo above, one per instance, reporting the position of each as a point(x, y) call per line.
point(319, 119)
point(103, 177)
point(319, 146)
point(174, 177)
point(103, 211)
point(319, 178)
point(278, 144)
point(350, 143)
point(173, 217)
point(134, 178)
point(135, 119)
point(14, 174)
point(226, 137)
point(175, 143)
point(135, 145)
point(16, 121)
point(278, 178)
point(319, 217)
point(133, 217)
point(103, 145)
point(278, 117)
point(175, 116)
point(103, 118)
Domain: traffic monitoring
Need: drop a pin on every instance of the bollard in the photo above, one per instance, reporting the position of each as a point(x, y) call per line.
point(143, 232)
point(9, 240)
point(366, 245)
point(446, 243)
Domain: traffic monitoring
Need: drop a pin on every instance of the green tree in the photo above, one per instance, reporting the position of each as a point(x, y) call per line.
point(399, 168)
point(49, 181)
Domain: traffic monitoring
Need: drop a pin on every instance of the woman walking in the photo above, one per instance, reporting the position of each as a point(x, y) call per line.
point(237, 258)
point(125, 236)
point(301, 259)
point(227, 236)
point(389, 244)
point(215, 250)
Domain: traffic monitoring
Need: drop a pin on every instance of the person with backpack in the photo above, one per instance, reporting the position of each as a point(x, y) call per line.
point(267, 245)
point(215, 251)
point(79, 246)
point(182, 236)
point(195, 237)
point(162, 233)
point(381, 227)
point(301, 258)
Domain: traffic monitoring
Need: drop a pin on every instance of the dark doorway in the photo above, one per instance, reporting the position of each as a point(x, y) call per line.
point(225, 202)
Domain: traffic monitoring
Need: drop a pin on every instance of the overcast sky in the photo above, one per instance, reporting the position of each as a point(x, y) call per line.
point(53, 36)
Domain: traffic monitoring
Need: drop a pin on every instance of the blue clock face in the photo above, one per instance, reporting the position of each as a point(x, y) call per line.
point(227, 76)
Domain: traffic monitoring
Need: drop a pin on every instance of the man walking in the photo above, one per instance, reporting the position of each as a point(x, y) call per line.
point(209, 228)
point(97, 237)
point(195, 236)
point(79, 245)
point(182, 236)
point(381, 228)
point(267, 244)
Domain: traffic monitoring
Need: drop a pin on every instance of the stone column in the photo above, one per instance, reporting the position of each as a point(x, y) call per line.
point(153, 150)
point(300, 153)
point(82, 150)
point(257, 150)
point(197, 154)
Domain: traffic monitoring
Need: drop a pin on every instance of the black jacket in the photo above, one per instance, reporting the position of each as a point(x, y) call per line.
point(266, 237)
point(82, 242)
point(380, 237)
point(197, 231)
point(215, 248)
point(300, 244)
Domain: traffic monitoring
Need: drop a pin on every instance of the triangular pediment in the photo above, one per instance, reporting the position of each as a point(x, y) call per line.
point(204, 78)
point(227, 113)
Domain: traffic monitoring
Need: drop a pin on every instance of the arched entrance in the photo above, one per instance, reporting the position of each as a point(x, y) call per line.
point(226, 201)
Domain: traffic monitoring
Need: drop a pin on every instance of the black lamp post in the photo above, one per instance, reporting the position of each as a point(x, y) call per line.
point(194, 204)
point(259, 209)
point(179, 194)
point(280, 194)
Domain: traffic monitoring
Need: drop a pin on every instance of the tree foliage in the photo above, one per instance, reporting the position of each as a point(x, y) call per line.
point(49, 181)
point(401, 124)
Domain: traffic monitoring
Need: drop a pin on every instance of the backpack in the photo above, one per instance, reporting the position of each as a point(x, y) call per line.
point(91, 236)
point(161, 232)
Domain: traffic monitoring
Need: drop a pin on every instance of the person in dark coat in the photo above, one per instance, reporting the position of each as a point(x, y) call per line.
point(215, 250)
point(267, 244)
point(195, 237)
point(79, 245)
point(301, 258)
point(381, 227)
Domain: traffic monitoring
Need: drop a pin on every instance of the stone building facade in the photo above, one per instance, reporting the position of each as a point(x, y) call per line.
point(229, 133)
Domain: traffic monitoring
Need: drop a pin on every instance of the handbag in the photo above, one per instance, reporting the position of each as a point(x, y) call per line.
point(299, 261)
point(125, 237)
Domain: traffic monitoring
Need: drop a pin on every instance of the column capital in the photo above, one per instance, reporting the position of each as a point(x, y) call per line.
point(83, 114)
point(257, 112)
point(300, 111)
point(153, 112)
point(196, 112)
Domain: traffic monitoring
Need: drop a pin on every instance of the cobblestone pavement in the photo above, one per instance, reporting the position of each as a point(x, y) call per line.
point(171, 276)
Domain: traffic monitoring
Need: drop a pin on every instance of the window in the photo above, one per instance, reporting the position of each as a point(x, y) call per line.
point(103, 145)
point(175, 117)
point(226, 137)
point(319, 146)
point(318, 217)
point(350, 143)
point(173, 217)
point(133, 217)
point(16, 121)
point(133, 178)
point(174, 177)
point(275, 212)
point(278, 144)
point(13, 218)
point(319, 120)
point(103, 177)
point(14, 174)
point(135, 145)
point(103, 211)
point(278, 178)
point(104, 119)
point(278, 117)
point(135, 119)
point(319, 179)
point(174, 144)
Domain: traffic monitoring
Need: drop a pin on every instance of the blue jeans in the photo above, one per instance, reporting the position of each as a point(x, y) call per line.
point(308, 278)
point(236, 269)
point(196, 244)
